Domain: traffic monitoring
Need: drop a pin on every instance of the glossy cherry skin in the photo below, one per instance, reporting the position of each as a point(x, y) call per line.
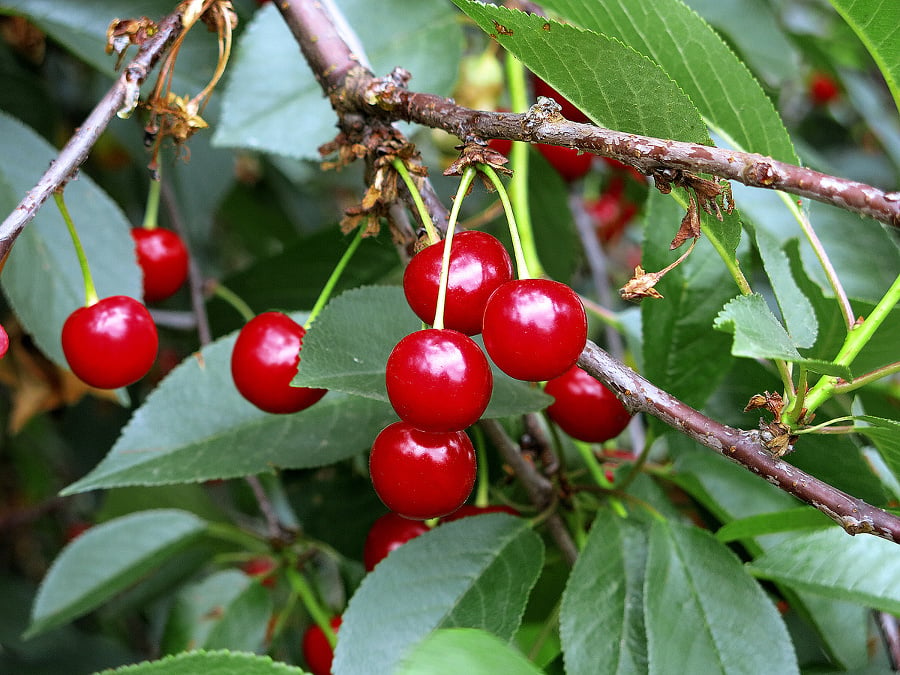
point(584, 408)
point(467, 510)
point(421, 474)
point(111, 343)
point(163, 258)
point(534, 329)
point(264, 361)
point(4, 342)
point(438, 380)
point(317, 651)
point(388, 533)
point(568, 162)
point(479, 263)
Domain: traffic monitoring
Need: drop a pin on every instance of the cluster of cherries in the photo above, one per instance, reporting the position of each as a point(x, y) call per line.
point(112, 342)
point(439, 381)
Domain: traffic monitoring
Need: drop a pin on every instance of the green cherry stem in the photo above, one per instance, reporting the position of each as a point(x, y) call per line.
point(857, 338)
point(482, 497)
point(464, 184)
point(518, 158)
point(302, 588)
point(233, 299)
point(524, 267)
point(90, 291)
point(151, 213)
point(424, 216)
point(336, 273)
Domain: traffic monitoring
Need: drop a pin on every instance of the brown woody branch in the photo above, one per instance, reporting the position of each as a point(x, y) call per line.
point(359, 96)
point(744, 447)
point(353, 88)
point(65, 167)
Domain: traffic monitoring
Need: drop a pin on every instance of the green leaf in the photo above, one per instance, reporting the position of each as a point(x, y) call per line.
point(42, 278)
point(611, 83)
point(465, 650)
point(864, 276)
point(876, 22)
point(885, 434)
point(196, 426)
point(338, 357)
point(797, 310)
point(689, 570)
point(800, 518)
point(756, 31)
point(681, 354)
point(731, 492)
point(209, 663)
point(272, 102)
point(227, 609)
point(759, 335)
point(555, 234)
point(604, 597)
point(831, 563)
point(107, 559)
point(81, 27)
point(295, 276)
point(473, 573)
point(691, 53)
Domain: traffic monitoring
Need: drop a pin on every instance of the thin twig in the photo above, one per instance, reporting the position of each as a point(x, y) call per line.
point(538, 487)
point(64, 168)
point(195, 276)
point(741, 446)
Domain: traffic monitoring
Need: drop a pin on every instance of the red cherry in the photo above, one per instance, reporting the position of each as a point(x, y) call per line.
point(76, 529)
point(262, 567)
point(317, 651)
point(611, 211)
point(163, 258)
point(111, 343)
point(584, 408)
point(264, 361)
point(568, 162)
point(501, 145)
point(534, 329)
point(421, 474)
point(388, 533)
point(438, 380)
point(479, 263)
point(467, 510)
point(823, 89)
point(569, 111)
point(4, 342)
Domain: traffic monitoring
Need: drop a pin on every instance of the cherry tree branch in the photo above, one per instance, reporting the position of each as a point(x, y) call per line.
point(65, 167)
point(743, 447)
point(353, 88)
point(359, 98)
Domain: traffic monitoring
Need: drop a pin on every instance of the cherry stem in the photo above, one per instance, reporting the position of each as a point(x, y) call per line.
point(151, 213)
point(233, 299)
point(424, 216)
point(522, 266)
point(518, 156)
point(336, 273)
point(302, 588)
point(593, 466)
point(464, 184)
point(90, 291)
point(873, 376)
point(482, 497)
